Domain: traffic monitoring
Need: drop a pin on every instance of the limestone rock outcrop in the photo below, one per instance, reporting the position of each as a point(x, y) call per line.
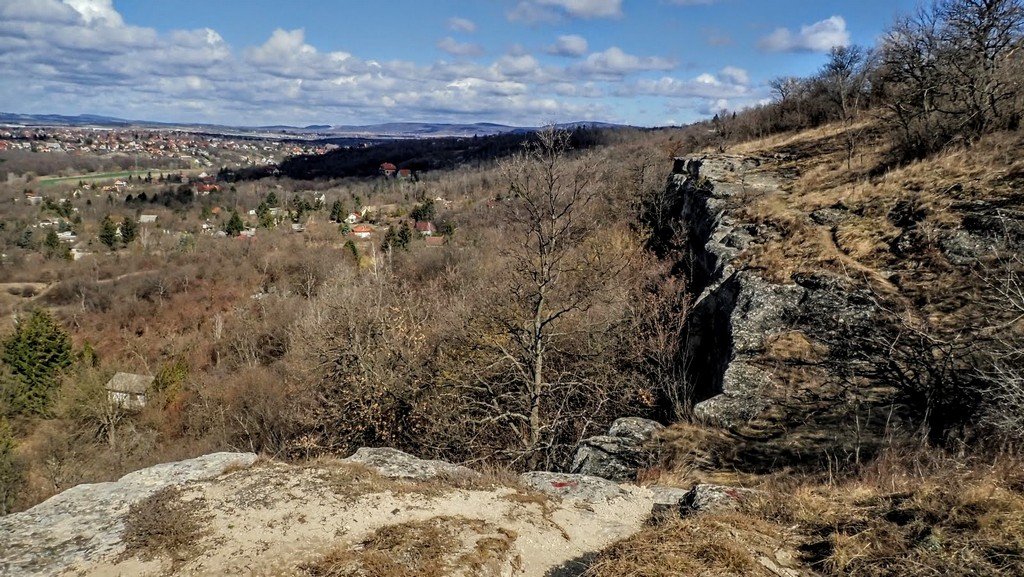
point(619, 455)
point(86, 521)
point(272, 518)
point(771, 361)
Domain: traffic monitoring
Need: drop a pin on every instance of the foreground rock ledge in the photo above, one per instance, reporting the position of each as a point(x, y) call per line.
point(272, 518)
point(86, 521)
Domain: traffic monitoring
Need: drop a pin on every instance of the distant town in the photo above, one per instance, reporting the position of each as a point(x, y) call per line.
point(186, 150)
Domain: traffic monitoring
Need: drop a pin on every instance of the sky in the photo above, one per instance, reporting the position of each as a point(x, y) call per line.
point(341, 62)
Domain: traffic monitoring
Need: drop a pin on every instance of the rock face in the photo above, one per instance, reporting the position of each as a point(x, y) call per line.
point(767, 360)
point(621, 453)
point(395, 464)
point(86, 521)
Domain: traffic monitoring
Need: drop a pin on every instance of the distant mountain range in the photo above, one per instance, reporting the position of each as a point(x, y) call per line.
point(389, 130)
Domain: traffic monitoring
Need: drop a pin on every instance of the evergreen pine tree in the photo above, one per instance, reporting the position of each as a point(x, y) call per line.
point(235, 225)
point(25, 240)
point(271, 200)
point(129, 230)
point(336, 212)
point(424, 212)
point(52, 242)
point(54, 248)
point(34, 355)
point(108, 233)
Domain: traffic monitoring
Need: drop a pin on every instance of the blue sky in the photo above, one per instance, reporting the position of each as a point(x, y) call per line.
point(253, 62)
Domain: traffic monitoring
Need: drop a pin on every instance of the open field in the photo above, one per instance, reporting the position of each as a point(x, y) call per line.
point(93, 177)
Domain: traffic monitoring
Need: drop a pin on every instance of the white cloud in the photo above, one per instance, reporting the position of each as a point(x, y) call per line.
point(85, 58)
point(735, 75)
point(818, 37)
point(730, 82)
point(456, 48)
point(570, 45)
point(516, 65)
point(613, 63)
point(55, 60)
point(96, 11)
point(456, 24)
point(555, 10)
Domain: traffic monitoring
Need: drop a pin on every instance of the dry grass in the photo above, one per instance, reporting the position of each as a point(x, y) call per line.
point(440, 546)
point(165, 523)
point(908, 513)
point(859, 237)
point(720, 545)
point(913, 514)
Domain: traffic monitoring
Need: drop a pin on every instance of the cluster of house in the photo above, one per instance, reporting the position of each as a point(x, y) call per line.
point(193, 148)
point(389, 170)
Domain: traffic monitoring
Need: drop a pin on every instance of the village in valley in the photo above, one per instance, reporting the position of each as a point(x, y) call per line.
point(161, 208)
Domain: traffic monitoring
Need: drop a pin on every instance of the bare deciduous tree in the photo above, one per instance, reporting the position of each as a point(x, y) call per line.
point(953, 71)
point(557, 276)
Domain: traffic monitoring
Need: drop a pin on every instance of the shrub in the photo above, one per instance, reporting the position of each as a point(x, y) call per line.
point(165, 523)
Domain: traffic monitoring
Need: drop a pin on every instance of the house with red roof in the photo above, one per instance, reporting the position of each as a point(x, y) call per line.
point(362, 230)
point(425, 228)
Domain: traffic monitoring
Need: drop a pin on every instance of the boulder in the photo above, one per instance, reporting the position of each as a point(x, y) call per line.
point(395, 464)
point(635, 428)
point(87, 521)
point(667, 501)
point(621, 453)
point(674, 502)
point(572, 486)
point(707, 498)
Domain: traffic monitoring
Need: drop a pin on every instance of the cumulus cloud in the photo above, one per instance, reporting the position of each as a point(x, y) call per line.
point(456, 48)
point(76, 56)
point(456, 24)
point(614, 63)
point(818, 37)
point(730, 82)
point(534, 11)
point(96, 11)
point(570, 45)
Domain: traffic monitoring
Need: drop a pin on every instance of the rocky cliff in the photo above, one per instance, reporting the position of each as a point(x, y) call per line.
point(768, 360)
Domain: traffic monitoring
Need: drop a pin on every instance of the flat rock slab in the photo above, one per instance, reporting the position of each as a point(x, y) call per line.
point(572, 486)
point(395, 464)
point(87, 521)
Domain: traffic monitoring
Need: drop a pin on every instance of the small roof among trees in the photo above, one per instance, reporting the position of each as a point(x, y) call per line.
point(129, 383)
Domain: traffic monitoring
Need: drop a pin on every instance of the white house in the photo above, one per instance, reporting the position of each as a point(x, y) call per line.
point(128, 390)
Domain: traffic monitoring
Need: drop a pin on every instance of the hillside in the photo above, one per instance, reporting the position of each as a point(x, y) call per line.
point(838, 318)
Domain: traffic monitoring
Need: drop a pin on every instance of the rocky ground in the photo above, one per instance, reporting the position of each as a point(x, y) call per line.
point(235, 514)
